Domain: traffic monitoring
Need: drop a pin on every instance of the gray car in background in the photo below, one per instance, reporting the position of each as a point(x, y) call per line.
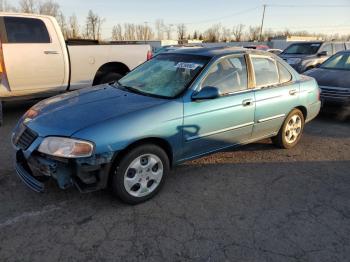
point(333, 77)
point(307, 55)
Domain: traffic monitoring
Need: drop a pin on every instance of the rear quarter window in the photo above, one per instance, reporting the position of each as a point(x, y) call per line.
point(26, 30)
point(284, 74)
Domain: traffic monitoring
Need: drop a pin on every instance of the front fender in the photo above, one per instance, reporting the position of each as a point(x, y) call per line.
point(163, 121)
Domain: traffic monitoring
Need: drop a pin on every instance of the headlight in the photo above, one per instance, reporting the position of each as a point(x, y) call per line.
point(293, 61)
point(66, 147)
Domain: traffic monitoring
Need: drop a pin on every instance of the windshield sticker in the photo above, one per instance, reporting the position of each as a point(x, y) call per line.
point(315, 44)
point(191, 66)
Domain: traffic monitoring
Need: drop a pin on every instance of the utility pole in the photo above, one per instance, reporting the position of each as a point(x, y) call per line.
point(262, 23)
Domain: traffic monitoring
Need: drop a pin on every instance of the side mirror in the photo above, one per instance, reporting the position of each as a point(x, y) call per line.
point(207, 92)
point(323, 53)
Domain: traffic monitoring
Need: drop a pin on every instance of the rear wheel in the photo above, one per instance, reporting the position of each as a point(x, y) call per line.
point(140, 174)
point(291, 130)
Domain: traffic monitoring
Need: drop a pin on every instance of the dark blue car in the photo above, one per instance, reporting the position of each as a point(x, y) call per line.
point(178, 106)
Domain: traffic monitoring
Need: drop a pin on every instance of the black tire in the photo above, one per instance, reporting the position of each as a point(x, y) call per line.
point(280, 140)
point(110, 77)
point(119, 172)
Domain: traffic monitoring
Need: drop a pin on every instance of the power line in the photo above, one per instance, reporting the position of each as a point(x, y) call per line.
point(223, 17)
point(325, 6)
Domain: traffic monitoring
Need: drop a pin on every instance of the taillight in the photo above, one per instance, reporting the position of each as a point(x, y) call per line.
point(149, 55)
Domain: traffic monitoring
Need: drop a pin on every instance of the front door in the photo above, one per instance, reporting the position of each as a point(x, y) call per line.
point(212, 124)
point(34, 58)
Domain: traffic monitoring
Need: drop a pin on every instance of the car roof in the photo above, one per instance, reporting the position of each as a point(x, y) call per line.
point(216, 51)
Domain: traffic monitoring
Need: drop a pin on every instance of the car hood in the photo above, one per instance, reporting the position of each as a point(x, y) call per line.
point(330, 77)
point(63, 115)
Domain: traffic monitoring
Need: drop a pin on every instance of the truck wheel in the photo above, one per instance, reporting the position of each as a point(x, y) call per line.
point(110, 77)
point(140, 174)
point(291, 130)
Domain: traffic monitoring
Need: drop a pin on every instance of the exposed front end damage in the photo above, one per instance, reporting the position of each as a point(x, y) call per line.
point(87, 174)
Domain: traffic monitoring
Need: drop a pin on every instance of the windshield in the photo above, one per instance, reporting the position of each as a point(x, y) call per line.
point(166, 75)
point(338, 61)
point(302, 49)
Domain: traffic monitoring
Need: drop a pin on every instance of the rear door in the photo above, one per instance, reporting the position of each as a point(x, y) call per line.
point(276, 94)
point(33, 55)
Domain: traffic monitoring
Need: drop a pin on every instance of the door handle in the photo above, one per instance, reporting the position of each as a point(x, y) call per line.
point(247, 102)
point(50, 52)
point(292, 92)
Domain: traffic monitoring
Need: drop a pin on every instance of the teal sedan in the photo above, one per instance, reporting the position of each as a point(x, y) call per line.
point(178, 106)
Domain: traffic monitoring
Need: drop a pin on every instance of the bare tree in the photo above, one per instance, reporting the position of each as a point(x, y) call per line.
point(129, 31)
point(61, 20)
point(181, 31)
point(6, 7)
point(253, 33)
point(287, 32)
point(117, 32)
point(73, 30)
point(140, 32)
point(226, 34)
point(168, 31)
point(160, 28)
point(93, 26)
point(143, 32)
point(49, 8)
point(27, 6)
point(213, 34)
point(237, 32)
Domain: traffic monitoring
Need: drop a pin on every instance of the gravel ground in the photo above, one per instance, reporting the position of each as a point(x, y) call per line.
point(255, 203)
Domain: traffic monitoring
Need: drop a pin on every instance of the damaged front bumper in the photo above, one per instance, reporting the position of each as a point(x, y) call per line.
point(87, 174)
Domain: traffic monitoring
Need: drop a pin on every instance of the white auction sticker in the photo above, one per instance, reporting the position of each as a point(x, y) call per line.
point(191, 66)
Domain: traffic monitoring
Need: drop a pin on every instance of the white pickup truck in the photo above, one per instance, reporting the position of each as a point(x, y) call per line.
point(36, 61)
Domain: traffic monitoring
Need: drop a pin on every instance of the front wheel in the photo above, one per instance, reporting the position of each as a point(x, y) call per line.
point(291, 130)
point(140, 174)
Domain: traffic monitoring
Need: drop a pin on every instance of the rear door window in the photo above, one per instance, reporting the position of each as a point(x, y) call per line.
point(26, 30)
point(266, 72)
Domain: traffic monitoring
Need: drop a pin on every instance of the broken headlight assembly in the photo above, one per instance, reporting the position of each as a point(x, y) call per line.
point(66, 147)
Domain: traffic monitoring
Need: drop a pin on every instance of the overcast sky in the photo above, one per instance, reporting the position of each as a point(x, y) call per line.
point(310, 15)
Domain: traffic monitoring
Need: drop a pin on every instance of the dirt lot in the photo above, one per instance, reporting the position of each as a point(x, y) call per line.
point(256, 203)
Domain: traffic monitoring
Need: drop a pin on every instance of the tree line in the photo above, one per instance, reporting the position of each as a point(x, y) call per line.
point(92, 28)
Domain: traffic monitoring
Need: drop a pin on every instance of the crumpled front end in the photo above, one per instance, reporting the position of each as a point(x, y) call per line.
point(35, 168)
